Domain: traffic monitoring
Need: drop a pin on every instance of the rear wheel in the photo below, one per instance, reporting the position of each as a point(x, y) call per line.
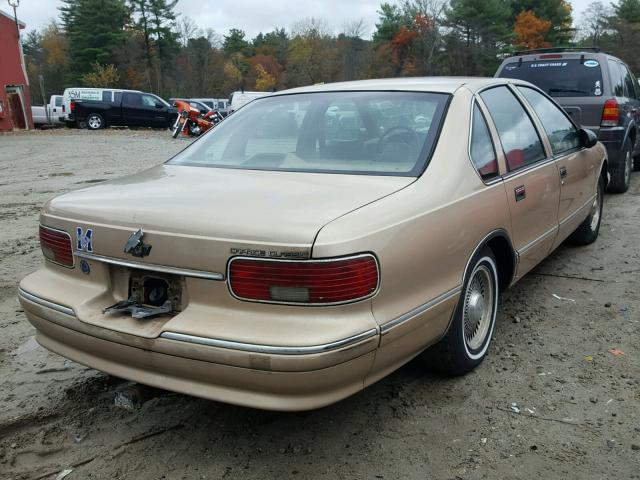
point(588, 230)
point(466, 343)
point(621, 173)
point(95, 121)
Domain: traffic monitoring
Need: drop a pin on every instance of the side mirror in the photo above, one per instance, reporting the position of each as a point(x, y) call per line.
point(587, 138)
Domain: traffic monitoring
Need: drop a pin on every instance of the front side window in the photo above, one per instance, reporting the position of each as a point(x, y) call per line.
point(519, 138)
point(148, 101)
point(563, 135)
point(376, 133)
point(58, 101)
point(482, 152)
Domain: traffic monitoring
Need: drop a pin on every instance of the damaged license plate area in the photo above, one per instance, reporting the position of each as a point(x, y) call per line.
point(150, 295)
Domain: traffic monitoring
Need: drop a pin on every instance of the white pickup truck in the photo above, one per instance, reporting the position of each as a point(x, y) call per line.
point(52, 113)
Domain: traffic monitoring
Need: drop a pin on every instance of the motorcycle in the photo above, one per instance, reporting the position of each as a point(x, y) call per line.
point(191, 122)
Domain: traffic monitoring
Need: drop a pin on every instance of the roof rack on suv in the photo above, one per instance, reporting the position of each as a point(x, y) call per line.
point(558, 50)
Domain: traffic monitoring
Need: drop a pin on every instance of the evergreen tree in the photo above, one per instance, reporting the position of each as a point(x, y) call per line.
point(95, 28)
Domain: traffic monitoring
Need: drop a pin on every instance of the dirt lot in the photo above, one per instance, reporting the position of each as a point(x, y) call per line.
point(550, 401)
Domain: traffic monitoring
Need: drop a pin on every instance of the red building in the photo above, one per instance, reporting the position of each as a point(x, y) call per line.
point(15, 105)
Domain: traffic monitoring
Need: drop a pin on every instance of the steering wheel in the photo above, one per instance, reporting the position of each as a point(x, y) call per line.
point(405, 135)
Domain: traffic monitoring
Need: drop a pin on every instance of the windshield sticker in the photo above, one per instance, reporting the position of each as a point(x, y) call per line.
point(548, 64)
point(591, 63)
point(597, 91)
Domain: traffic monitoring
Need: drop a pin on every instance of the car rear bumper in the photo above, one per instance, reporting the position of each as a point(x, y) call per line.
point(290, 382)
point(613, 139)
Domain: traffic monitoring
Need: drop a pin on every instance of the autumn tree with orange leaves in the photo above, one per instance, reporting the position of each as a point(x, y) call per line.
point(530, 31)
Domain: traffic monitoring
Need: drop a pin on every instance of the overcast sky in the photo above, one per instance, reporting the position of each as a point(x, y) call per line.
point(252, 16)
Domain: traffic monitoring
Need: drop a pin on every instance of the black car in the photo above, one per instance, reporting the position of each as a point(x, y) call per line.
point(597, 90)
point(124, 108)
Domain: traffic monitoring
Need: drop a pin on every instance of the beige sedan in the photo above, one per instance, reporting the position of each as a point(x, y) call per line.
point(317, 240)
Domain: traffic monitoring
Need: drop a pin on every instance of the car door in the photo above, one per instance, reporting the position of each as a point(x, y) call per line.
point(532, 180)
point(132, 109)
point(577, 173)
point(153, 112)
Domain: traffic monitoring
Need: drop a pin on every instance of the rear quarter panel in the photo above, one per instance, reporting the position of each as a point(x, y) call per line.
point(423, 236)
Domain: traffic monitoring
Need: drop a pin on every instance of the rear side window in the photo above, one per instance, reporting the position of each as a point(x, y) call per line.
point(117, 97)
point(559, 78)
point(519, 138)
point(481, 150)
point(106, 96)
point(630, 82)
point(58, 101)
point(563, 135)
point(132, 100)
point(617, 81)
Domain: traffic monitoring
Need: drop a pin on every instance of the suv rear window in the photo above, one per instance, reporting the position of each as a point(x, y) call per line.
point(559, 77)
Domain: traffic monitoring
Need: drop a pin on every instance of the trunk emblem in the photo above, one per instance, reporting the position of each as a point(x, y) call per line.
point(84, 239)
point(135, 246)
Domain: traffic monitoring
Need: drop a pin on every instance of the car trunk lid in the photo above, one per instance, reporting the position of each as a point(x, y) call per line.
point(197, 217)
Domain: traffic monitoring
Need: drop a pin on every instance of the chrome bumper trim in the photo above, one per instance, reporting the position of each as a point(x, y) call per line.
point(45, 303)
point(270, 349)
point(185, 272)
point(384, 328)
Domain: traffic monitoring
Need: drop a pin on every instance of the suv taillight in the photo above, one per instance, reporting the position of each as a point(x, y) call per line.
point(56, 246)
point(317, 282)
point(72, 105)
point(611, 113)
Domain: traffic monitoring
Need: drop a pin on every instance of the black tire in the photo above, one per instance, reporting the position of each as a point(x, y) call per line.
point(588, 230)
point(94, 121)
point(621, 173)
point(466, 343)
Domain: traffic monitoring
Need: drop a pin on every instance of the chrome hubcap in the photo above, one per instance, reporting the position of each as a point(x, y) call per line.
point(94, 122)
point(478, 306)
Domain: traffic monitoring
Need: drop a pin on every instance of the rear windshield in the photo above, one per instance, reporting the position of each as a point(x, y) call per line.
point(376, 133)
point(559, 78)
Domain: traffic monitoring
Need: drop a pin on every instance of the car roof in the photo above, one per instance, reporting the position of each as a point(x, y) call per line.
point(414, 84)
point(571, 55)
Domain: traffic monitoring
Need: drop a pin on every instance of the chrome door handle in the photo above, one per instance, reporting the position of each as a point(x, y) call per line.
point(563, 174)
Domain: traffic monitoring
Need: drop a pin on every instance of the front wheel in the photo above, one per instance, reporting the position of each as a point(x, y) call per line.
point(588, 230)
point(466, 343)
point(177, 127)
point(95, 121)
point(621, 174)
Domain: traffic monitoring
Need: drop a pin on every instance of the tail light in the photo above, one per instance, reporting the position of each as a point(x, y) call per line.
point(611, 113)
point(72, 105)
point(56, 246)
point(310, 282)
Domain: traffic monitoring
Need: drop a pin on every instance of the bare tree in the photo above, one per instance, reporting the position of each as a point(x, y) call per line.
point(187, 29)
point(594, 22)
point(355, 29)
point(311, 26)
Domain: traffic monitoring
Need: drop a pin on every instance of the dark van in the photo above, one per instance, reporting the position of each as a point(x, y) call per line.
point(597, 90)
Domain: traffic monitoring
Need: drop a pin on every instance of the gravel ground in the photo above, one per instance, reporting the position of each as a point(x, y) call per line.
point(550, 401)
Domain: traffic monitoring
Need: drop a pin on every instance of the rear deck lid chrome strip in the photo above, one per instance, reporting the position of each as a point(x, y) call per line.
point(185, 272)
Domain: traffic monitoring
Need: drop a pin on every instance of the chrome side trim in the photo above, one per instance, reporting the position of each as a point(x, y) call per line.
point(185, 272)
point(537, 240)
point(577, 211)
point(385, 327)
point(270, 349)
point(45, 303)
